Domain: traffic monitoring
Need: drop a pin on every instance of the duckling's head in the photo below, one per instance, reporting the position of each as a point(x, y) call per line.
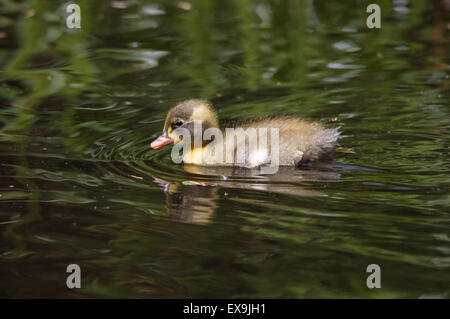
point(183, 115)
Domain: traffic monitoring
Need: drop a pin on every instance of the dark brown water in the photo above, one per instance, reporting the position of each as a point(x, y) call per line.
point(80, 185)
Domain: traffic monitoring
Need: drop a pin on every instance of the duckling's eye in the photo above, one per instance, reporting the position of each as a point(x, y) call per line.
point(178, 123)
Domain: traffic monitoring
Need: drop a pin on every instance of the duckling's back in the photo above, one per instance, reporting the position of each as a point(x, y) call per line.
point(299, 140)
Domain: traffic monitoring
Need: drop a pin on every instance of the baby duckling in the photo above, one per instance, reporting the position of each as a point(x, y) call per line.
point(299, 141)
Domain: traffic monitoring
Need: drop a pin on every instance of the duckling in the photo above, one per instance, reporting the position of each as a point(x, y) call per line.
point(300, 141)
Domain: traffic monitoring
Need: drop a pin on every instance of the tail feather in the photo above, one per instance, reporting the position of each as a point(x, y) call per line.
point(328, 139)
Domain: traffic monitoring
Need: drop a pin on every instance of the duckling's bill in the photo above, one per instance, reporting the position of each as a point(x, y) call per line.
point(161, 141)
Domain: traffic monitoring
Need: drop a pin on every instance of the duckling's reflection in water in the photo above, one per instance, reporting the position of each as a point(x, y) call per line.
point(190, 201)
point(195, 201)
